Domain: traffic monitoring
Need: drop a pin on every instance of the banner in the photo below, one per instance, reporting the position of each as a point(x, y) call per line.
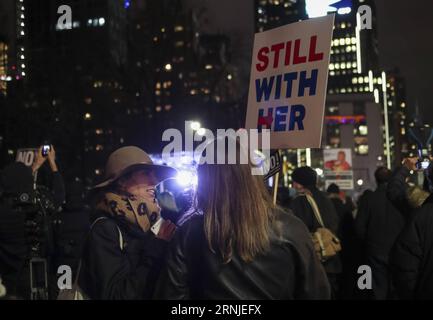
point(338, 168)
point(289, 75)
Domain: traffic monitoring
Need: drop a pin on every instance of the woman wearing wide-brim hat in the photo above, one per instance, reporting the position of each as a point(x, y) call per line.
point(121, 256)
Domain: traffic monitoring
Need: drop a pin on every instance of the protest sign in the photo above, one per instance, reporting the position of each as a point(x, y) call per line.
point(26, 156)
point(288, 82)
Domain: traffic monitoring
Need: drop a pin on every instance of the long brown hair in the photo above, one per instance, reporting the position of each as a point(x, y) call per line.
point(237, 210)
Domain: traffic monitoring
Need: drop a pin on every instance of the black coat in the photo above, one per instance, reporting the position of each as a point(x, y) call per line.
point(288, 270)
point(109, 273)
point(303, 210)
point(378, 223)
point(412, 256)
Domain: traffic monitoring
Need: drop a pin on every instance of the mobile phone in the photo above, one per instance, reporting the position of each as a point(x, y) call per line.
point(45, 149)
point(155, 228)
point(422, 164)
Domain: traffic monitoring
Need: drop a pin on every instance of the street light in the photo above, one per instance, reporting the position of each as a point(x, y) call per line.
point(168, 67)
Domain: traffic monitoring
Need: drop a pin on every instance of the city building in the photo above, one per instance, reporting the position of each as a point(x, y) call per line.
point(270, 14)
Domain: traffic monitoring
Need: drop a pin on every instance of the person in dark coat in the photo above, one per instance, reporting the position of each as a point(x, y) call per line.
point(377, 226)
point(238, 245)
point(122, 257)
point(304, 181)
point(17, 183)
point(412, 255)
point(350, 253)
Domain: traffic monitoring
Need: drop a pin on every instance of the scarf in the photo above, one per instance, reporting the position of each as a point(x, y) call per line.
point(141, 212)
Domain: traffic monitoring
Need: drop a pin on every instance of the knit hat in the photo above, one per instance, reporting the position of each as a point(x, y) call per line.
point(333, 188)
point(305, 176)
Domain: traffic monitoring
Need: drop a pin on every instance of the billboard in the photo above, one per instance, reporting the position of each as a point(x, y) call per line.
point(338, 168)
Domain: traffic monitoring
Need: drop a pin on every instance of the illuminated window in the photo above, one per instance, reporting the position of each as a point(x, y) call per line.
point(208, 67)
point(193, 92)
point(158, 108)
point(179, 44)
point(99, 147)
point(167, 107)
point(87, 116)
point(363, 130)
point(178, 28)
point(99, 131)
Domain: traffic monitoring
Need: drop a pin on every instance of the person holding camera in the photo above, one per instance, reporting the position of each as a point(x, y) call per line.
point(57, 187)
point(412, 254)
point(123, 253)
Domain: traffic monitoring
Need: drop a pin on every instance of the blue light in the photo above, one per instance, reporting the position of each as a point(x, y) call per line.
point(127, 3)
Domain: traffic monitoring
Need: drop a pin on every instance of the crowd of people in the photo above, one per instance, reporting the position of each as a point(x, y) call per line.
point(231, 241)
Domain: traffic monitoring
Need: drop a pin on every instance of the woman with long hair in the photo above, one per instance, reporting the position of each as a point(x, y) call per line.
point(239, 245)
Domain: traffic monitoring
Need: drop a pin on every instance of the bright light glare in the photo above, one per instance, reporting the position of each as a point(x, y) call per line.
point(345, 10)
point(360, 182)
point(201, 131)
point(319, 8)
point(319, 171)
point(186, 179)
point(195, 125)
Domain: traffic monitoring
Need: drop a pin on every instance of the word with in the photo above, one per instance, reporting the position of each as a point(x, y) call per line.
point(365, 281)
point(65, 20)
point(226, 153)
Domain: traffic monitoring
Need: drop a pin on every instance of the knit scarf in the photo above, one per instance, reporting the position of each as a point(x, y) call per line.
point(135, 210)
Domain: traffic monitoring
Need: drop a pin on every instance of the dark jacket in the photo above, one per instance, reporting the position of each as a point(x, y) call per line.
point(109, 273)
point(397, 192)
point(288, 270)
point(378, 223)
point(412, 256)
point(303, 210)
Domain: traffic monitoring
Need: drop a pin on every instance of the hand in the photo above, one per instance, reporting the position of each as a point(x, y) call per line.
point(167, 230)
point(52, 159)
point(39, 160)
point(410, 163)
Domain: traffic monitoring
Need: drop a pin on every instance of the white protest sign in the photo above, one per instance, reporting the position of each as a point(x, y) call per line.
point(26, 156)
point(289, 75)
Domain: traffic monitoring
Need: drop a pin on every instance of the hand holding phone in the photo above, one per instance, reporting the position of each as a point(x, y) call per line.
point(45, 150)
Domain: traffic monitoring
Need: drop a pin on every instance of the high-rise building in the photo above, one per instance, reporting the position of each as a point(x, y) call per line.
point(4, 77)
point(75, 84)
point(270, 14)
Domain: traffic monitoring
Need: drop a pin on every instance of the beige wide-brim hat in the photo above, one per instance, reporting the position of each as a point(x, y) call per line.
point(128, 159)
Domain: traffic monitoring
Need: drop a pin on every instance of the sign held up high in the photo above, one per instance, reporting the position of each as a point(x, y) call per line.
point(289, 75)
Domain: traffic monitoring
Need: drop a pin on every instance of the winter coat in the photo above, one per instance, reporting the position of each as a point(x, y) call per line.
point(289, 269)
point(111, 273)
point(412, 256)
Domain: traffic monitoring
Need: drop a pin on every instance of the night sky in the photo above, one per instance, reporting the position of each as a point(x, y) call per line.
point(405, 31)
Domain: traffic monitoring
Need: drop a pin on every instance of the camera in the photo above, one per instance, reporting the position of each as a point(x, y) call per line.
point(45, 149)
point(424, 161)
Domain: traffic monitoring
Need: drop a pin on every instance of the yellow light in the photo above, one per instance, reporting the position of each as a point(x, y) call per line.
point(168, 67)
